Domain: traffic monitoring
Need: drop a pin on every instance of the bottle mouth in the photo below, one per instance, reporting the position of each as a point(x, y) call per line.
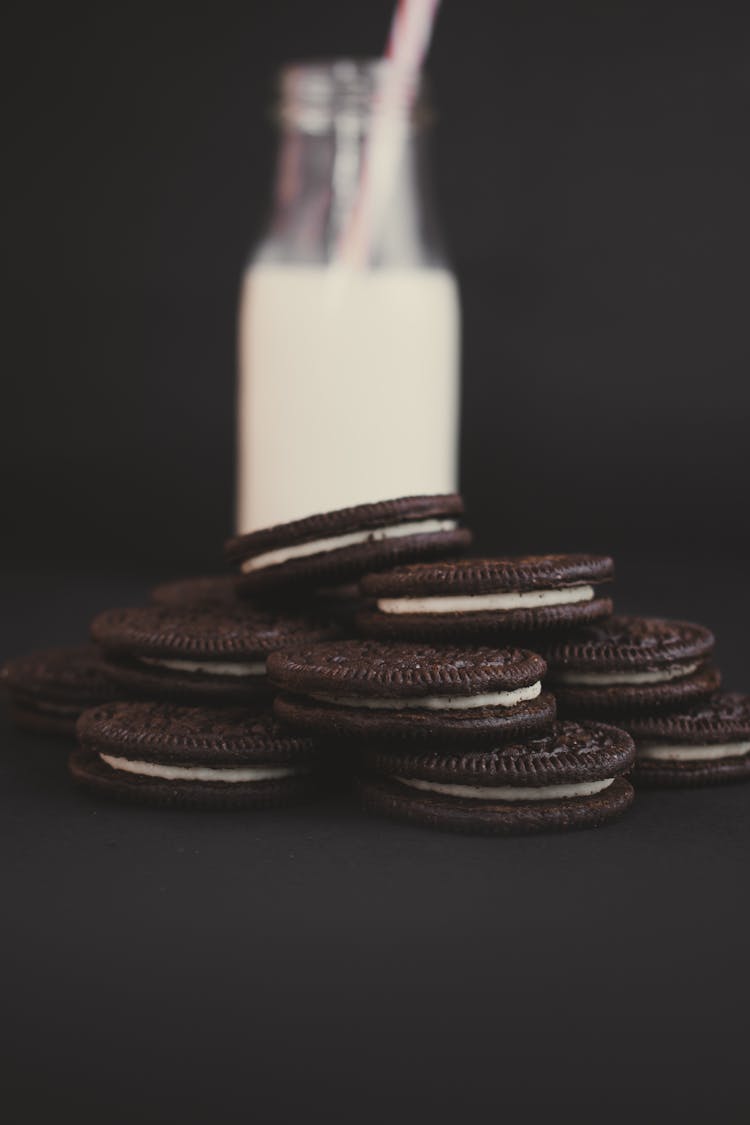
point(321, 94)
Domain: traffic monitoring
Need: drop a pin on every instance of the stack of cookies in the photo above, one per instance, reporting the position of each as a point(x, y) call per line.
point(654, 678)
point(188, 717)
point(494, 695)
point(442, 710)
point(191, 723)
point(649, 677)
point(455, 736)
point(49, 689)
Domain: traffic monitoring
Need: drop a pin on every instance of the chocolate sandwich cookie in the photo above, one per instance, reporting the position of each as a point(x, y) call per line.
point(208, 589)
point(333, 603)
point(367, 689)
point(49, 689)
point(705, 744)
point(163, 754)
point(339, 547)
point(626, 664)
point(203, 654)
point(569, 778)
point(483, 598)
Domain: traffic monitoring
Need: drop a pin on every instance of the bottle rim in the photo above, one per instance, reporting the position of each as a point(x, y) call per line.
point(318, 95)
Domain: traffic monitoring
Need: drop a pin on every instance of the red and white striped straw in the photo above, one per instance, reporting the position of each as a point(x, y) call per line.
point(411, 29)
point(409, 38)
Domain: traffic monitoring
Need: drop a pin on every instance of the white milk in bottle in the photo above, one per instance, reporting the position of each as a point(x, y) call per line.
point(348, 378)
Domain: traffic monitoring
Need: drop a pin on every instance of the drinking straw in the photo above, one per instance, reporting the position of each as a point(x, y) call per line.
point(408, 40)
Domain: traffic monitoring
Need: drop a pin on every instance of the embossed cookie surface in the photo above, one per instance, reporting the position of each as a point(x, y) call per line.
point(48, 689)
point(201, 653)
point(485, 597)
point(706, 744)
point(571, 777)
point(339, 547)
point(164, 754)
point(370, 689)
point(625, 664)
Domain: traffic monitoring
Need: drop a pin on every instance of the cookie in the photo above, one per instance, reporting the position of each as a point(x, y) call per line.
point(483, 598)
point(339, 547)
point(705, 744)
point(626, 664)
point(49, 689)
point(571, 777)
point(207, 589)
point(164, 754)
point(334, 603)
point(371, 689)
point(200, 654)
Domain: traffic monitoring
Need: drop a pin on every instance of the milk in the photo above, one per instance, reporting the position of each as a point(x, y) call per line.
point(348, 388)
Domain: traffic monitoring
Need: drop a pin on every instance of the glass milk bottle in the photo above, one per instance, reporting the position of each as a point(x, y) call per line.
point(348, 377)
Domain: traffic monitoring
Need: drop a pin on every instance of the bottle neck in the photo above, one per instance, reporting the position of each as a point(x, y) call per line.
point(325, 116)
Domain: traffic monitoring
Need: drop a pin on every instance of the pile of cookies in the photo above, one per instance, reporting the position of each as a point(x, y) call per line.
point(444, 702)
point(489, 695)
point(655, 680)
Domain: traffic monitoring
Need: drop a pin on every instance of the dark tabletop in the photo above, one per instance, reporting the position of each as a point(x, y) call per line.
point(271, 966)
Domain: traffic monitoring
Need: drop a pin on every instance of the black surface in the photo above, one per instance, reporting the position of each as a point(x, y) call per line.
point(592, 165)
point(592, 168)
point(314, 963)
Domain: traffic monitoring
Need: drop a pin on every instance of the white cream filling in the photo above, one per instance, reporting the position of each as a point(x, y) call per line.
point(480, 603)
point(676, 752)
point(212, 667)
point(336, 542)
point(510, 792)
point(602, 679)
point(199, 773)
point(437, 702)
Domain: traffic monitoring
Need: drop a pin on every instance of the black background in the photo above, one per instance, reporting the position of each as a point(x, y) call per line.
point(592, 166)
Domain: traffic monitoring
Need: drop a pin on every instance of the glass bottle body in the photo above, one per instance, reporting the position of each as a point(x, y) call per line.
point(348, 376)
